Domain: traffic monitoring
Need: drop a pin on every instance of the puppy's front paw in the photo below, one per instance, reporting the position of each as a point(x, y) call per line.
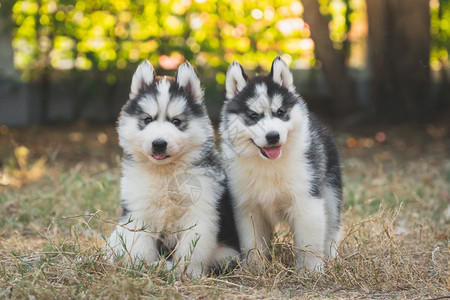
point(310, 262)
point(194, 271)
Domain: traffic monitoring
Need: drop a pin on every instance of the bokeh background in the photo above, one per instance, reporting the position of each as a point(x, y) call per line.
point(353, 60)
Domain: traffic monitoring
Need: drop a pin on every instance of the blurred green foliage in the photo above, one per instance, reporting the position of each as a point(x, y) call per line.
point(440, 30)
point(111, 35)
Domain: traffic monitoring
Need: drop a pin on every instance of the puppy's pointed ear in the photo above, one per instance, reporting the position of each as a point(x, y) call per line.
point(281, 74)
point(187, 78)
point(144, 76)
point(236, 80)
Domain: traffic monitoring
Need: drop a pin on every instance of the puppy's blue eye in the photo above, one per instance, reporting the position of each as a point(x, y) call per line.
point(280, 112)
point(176, 122)
point(147, 120)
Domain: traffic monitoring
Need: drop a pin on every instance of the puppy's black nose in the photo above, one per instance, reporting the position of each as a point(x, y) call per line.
point(159, 146)
point(272, 137)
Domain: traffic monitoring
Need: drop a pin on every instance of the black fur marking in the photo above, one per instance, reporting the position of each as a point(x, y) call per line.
point(289, 100)
point(125, 210)
point(315, 156)
point(239, 104)
point(334, 170)
point(133, 108)
point(323, 148)
point(194, 108)
point(152, 88)
point(227, 226)
point(209, 159)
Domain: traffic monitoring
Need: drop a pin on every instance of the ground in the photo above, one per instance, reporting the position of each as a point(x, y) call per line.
point(59, 198)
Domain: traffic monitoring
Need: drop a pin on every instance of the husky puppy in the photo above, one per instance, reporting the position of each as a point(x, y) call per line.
point(282, 164)
point(173, 186)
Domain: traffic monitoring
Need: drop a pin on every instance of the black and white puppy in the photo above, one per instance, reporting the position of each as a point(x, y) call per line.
point(173, 187)
point(282, 164)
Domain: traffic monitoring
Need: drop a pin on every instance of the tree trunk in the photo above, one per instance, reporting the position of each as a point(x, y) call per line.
point(412, 49)
point(399, 40)
point(381, 61)
point(333, 65)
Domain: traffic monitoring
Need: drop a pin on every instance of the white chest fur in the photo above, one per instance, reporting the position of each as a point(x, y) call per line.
point(270, 185)
point(166, 201)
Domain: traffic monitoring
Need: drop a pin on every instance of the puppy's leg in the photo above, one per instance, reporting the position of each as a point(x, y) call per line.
point(224, 258)
point(195, 250)
point(308, 225)
point(254, 234)
point(131, 245)
point(332, 236)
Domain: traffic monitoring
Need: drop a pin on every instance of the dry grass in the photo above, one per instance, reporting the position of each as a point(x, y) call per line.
point(395, 242)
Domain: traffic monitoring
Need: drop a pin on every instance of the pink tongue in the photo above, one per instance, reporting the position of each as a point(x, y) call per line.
point(272, 152)
point(159, 156)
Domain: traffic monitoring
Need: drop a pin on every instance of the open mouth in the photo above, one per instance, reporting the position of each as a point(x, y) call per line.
point(160, 156)
point(269, 152)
